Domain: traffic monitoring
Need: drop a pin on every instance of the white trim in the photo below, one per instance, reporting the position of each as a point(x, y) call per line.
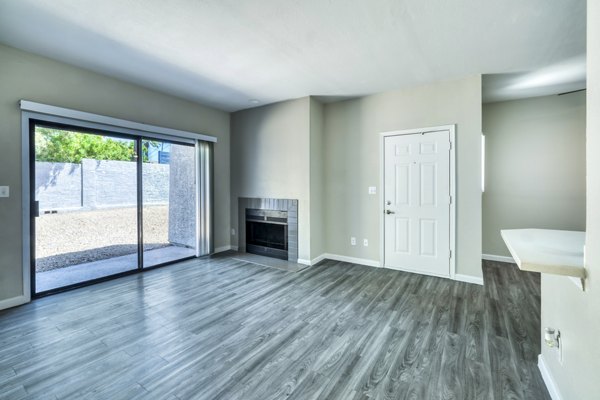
point(318, 259)
point(351, 260)
point(224, 248)
point(452, 137)
point(548, 379)
point(303, 261)
point(492, 257)
point(14, 301)
point(109, 121)
point(419, 130)
point(373, 263)
point(469, 279)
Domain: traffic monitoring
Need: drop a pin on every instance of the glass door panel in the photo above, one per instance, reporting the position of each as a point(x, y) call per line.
point(85, 209)
point(169, 202)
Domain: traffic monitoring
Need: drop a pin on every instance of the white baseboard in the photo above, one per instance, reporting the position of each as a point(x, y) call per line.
point(373, 263)
point(317, 260)
point(468, 278)
point(313, 261)
point(492, 257)
point(14, 301)
point(352, 260)
point(548, 379)
point(225, 248)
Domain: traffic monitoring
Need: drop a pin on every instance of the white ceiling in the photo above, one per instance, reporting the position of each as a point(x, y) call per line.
point(224, 53)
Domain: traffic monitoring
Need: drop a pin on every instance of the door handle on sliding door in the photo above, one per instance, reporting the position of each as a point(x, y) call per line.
point(36, 208)
point(389, 212)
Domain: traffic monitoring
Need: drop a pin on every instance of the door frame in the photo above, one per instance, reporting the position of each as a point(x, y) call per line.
point(452, 133)
point(137, 140)
point(32, 112)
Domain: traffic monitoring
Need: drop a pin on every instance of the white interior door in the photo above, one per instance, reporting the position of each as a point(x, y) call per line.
point(417, 202)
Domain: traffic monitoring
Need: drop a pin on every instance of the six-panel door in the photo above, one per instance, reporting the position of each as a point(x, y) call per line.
point(417, 202)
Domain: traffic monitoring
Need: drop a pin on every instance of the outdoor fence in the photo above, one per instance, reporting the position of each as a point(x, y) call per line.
point(97, 184)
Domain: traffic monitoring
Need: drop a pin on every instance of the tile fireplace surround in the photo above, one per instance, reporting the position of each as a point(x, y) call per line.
point(289, 205)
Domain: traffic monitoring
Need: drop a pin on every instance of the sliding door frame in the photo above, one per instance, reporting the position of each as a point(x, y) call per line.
point(45, 115)
point(33, 123)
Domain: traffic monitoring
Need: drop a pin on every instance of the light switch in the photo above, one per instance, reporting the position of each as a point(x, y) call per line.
point(372, 190)
point(4, 191)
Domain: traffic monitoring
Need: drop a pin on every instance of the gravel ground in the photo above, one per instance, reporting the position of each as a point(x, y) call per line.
point(73, 238)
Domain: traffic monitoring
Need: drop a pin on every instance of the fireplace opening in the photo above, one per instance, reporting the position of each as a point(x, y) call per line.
point(267, 233)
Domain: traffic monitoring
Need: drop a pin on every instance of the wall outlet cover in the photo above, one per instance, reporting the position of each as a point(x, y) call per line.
point(4, 191)
point(372, 190)
point(353, 241)
point(366, 242)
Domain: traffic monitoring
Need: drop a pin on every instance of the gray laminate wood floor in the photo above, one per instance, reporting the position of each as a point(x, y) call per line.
point(217, 328)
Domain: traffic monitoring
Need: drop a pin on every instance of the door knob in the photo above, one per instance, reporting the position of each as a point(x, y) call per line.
point(389, 212)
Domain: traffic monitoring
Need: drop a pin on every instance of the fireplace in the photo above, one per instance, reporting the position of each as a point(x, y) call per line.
point(267, 232)
point(275, 208)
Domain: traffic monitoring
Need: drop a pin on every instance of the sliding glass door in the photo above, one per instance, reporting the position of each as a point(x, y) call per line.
point(169, 202)
point(106, 204)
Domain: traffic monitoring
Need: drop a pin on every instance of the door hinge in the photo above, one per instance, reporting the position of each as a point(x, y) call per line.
point(450, 147)
point(450, 256)
point(450, 199)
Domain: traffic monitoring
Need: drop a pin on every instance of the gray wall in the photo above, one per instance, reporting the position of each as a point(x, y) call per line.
point(535, 166)
point(564, 306)
point(352, 163)
point(270, 159)
point(317, 183)
point(35, 78)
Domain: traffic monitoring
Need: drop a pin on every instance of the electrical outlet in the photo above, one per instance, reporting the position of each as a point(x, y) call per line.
point(4, 191)
point(353, 241)
point(232, 232)
point(366, 242)
point(372, 190)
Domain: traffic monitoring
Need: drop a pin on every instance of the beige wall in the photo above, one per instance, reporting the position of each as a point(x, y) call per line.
point(352, 163)
point(317, 154)
point(535, 166)
point(30, 77)
point(565, 307)
point(270, 158)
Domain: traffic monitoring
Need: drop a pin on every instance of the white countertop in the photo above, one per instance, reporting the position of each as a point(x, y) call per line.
point(547, 251)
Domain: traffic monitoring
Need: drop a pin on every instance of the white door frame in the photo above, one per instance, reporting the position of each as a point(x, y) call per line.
point(383, 135)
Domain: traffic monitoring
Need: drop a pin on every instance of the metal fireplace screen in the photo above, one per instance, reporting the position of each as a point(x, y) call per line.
point(267, 233)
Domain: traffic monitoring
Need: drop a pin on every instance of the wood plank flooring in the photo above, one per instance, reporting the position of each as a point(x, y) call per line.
point(218, 328)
